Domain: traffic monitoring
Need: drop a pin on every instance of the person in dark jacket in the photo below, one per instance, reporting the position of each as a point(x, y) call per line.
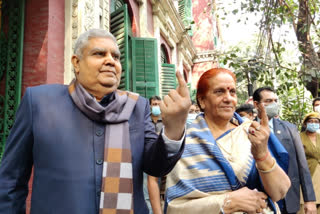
point(298, 171)
point(88, 142)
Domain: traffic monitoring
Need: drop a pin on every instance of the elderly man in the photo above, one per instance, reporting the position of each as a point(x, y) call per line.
point(298, 170)
point(88, 142)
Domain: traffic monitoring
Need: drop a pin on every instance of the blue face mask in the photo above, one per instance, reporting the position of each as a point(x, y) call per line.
point(155, 110)
point(190, 118)
point(312, 127)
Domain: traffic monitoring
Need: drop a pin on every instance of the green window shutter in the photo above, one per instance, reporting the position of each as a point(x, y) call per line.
point(182, 9)
point(168, 78)
point(115, 5)
point(145, 67)
point(119, 27)
point(185, 12)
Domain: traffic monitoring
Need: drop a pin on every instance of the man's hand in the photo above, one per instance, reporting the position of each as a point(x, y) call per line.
point(310, 207)
point(174, 109)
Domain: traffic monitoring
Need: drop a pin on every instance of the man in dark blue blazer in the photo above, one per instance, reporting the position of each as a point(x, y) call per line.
point(88, 142)
point(298, 170)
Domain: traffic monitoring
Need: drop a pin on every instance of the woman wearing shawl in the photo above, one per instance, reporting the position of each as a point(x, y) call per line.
point(311, 143)
point(228, 165)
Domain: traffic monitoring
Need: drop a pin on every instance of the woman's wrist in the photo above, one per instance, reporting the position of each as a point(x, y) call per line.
point(260, 159)
point(228, 203)
point(267, 165)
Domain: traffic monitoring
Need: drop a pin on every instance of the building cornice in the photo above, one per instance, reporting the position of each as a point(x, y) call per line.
point(205, 56)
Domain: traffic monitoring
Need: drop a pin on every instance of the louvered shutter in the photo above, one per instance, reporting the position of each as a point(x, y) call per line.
point(182, 8)
point(185, 12)
point(119, 27)
point(168, 78)
point(144, 66)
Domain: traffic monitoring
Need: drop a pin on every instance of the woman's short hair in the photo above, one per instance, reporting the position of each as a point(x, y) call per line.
point(203, 83)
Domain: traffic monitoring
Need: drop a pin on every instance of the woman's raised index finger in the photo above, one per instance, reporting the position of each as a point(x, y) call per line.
point(263, 114)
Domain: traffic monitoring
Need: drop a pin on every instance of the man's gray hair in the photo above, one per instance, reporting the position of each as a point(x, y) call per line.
point(93, 33)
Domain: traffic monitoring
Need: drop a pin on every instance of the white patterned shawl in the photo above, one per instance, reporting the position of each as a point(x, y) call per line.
point(210, 168)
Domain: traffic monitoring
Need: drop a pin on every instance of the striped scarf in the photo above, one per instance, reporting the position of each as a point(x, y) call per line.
point(117, 186)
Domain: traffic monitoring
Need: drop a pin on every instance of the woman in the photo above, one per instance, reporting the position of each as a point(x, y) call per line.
point(226, 161)
point(311, 143)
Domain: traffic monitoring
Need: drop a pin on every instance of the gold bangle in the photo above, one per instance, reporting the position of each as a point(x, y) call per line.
point(269, 170)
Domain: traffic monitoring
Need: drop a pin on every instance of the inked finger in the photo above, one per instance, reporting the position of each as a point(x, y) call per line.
point(263, 114)
point(182, 88)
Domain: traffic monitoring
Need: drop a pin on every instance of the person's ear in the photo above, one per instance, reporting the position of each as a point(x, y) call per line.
point(75, 62)
point(255, 103)
point(201, 103)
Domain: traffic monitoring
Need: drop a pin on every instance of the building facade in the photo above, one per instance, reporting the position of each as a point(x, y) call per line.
point(206, 37)
point(37, 38)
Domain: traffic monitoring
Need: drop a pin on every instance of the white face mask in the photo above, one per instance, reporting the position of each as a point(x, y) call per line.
point(317, 109)
point(190, 118)
point(244, 118)
point(272, 110)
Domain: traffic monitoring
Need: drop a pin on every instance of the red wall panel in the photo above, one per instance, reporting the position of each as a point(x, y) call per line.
point(43, 51)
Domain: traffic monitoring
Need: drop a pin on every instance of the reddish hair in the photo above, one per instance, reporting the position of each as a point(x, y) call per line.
point(203, 83)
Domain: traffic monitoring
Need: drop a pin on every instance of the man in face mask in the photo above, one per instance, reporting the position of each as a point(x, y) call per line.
point(316, 104)
point(298, 170)
point(151, 188)
point(193, 112)
point(316, 107)
point(156, 113)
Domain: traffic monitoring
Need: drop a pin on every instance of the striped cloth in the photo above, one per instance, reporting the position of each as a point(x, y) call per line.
point(210, 168)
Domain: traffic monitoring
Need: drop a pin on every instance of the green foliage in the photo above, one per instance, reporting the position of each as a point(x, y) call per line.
point(295, 104)
point(270, 62)
point(193, 94)
point(263, 72)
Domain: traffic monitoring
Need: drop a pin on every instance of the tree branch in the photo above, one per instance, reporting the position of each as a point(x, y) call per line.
point(283, 2)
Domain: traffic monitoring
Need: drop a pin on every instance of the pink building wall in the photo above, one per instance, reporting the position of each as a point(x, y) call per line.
point(149, 18)
point(203, 35)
